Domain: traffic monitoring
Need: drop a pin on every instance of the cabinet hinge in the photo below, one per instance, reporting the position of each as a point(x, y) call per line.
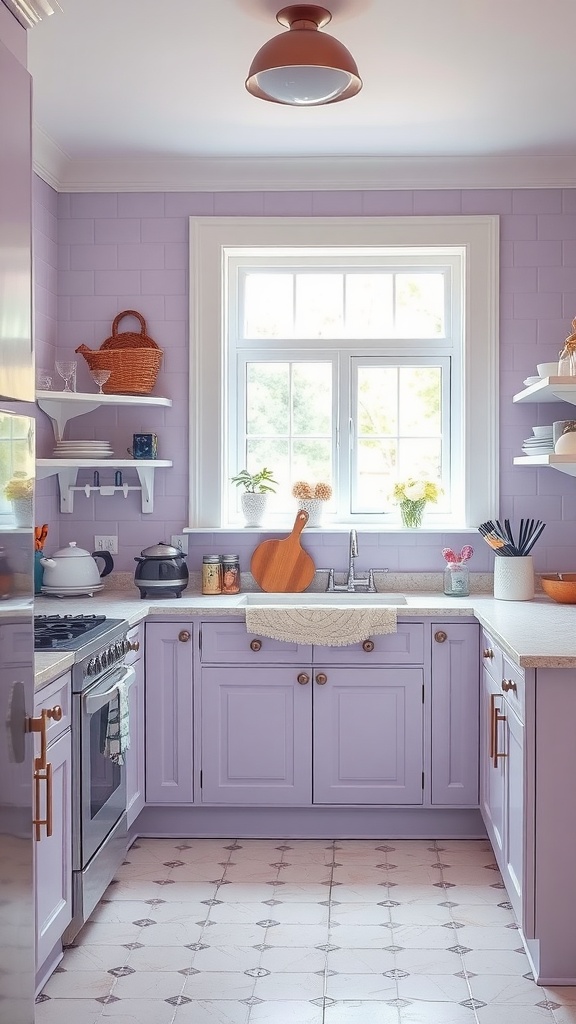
point(422, 780)
point(201, 778)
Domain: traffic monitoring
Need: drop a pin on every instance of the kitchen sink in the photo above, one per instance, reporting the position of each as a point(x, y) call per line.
point(339, 598)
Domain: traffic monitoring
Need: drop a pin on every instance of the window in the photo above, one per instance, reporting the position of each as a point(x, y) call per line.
point(16, 457)
point(353, 351)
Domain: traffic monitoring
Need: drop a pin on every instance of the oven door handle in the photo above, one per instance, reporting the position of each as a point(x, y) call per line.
point(93, 702)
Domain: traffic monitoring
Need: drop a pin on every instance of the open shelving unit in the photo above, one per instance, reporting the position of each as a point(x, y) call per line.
point(549, 389)
point(63, 406)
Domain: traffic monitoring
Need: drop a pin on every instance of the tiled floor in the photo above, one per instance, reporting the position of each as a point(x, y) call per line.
point(297, 932)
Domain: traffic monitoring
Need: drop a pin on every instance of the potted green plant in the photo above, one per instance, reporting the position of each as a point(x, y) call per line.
point(20, 492)
point(257, 487)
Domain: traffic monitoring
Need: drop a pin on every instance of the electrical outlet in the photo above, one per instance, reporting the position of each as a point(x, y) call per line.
point(180, 541)
point(106, 544)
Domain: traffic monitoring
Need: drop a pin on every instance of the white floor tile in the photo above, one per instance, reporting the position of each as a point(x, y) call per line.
point(361, 986)
point(212, 1011)
point(80, 1011)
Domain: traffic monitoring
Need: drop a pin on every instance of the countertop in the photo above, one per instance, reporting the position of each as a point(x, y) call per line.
point(534, 634)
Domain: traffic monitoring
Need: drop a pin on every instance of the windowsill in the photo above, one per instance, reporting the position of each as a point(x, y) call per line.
point(331, 528)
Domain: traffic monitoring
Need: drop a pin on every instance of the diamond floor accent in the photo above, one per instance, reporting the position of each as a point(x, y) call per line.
point(396, 960)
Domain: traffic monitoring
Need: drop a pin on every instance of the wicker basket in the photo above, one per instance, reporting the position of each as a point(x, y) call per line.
point(133, 359)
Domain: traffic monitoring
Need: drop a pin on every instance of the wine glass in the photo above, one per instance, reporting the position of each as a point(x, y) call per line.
point(100, 377)
point(66, 368)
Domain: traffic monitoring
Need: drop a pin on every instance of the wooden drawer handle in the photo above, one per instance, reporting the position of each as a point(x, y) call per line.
point(303, 678)
point(509, 684)
point(183, 636)
point(255, 645)
point(368, 646)
point(488, 653)
point(440, 636)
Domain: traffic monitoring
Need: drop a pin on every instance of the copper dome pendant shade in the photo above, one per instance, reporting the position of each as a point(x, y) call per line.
point(303, 67)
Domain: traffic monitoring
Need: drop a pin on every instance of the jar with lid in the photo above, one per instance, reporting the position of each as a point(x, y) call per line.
point(456, 580)
point(230, 574)
point(211, 574)
point(567, 357)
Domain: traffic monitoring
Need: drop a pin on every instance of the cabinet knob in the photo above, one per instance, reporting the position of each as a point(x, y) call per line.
point(183, 636)
point(321, 678)
point(134, 645)
point(303, 678)
point(508, 684)
point(440, 636)
point(368, 646)
point(487, 652)
point(255, 645)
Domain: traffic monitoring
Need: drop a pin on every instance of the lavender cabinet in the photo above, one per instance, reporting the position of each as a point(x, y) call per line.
point(136, 755)
point(168, 689)
point(256, 735)
point(454, 711)
point(491, 769)
point(368, 735)
point(53, 854)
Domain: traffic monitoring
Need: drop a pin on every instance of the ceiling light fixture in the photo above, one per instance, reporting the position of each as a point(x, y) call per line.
point(303, 67)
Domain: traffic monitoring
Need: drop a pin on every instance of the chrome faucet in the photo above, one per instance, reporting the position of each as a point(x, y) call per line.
point(353, 582)
point(352, 554)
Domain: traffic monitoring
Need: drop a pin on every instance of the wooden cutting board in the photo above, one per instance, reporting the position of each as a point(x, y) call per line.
point(282, 566)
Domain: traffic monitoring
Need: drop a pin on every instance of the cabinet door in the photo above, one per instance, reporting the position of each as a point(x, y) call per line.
point(53, 855)
point(455, 714)
point(514, 808)
point(491, 769)
point(168, 665)
point(368, 735)
point(256, 736)
point(135, 755)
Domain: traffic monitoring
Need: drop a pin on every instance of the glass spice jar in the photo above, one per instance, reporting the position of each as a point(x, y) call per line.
point(230, 574)
point(211, 574)
point(456, 580)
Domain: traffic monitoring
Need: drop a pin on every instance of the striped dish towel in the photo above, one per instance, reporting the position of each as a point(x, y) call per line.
point(118, 726)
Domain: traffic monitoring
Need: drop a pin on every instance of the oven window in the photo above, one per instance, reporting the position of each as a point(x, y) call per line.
point(105, 774)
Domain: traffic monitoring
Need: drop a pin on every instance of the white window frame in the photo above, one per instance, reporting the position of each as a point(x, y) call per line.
point(213, 240)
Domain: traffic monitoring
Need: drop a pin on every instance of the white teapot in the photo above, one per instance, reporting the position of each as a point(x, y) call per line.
point(74, 567)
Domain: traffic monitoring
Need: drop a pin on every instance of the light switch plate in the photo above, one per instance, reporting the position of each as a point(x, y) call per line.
point(180, 541)
point(106, 544)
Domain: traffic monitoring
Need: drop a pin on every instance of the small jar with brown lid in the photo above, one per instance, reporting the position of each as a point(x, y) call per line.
point(230, 574)
point(211, 574)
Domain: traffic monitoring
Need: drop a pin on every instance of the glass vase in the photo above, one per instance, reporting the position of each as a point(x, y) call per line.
point(412, 512)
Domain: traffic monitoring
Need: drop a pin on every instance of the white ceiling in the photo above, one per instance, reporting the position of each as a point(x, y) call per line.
point(150, 93)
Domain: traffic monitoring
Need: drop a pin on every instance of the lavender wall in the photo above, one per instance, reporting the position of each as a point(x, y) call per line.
point(120, 251)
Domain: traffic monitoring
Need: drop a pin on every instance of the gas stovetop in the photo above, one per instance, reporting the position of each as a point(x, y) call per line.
point(70, 632)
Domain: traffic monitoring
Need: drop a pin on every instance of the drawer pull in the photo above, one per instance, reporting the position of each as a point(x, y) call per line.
point(134, 645)
point(303, 678)
point(440, 636)
point(368, 646)
point(255, 645)
point(509, 684)
point(321, 678)
point(497, 718)
point(43, 769)
point(488, 653)
point(183, 636)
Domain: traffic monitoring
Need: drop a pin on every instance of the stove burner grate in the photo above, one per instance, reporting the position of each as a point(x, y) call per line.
point(57, 631)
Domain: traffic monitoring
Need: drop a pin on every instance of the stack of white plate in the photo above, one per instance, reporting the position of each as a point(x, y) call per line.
point(83, 450)
point(541, 442)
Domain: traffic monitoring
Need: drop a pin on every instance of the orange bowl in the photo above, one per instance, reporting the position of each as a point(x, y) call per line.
point(561, 590)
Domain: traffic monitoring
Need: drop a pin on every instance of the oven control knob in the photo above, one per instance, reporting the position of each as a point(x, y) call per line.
point(125, 646)
point(104, 659)
point(91, 669)
point(119, 650)
point(97, 664)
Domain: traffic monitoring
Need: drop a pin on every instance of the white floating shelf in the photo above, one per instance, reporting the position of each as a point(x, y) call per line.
point(67, 472)
point(549, 389)
point(564, 463)
point(62, 406)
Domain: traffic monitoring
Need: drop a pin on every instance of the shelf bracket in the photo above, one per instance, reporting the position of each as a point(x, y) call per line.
point(146, 478)
point(66, 483)
point(60, 412)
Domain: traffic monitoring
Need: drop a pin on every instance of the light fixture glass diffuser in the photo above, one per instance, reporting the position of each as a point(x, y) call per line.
point(303, 67)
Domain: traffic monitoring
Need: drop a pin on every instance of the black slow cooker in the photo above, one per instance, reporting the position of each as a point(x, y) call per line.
point(161, 571)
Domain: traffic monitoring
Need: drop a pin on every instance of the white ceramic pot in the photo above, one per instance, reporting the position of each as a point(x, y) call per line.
point(74, 567)
point(313, 506)
point(253, 507)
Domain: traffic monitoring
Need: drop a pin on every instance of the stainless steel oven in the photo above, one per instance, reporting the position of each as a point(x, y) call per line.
point(99, 830)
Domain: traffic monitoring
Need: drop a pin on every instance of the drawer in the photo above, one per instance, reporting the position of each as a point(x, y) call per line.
point(222, 643)
point(512, 683)
point(59, 691)
point(491, 657)
point(405, 647)
point(135, 636)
